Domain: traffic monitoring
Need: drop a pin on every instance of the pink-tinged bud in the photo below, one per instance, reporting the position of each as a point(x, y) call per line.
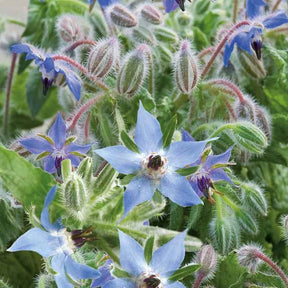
point(263, 121)
point(134, 70)
point(207, 258)
point(121, 16)
point(245, 109)
point(71, 28)
point(186, 71)
point(151, 14)
point(103, 57)
point(247, 256)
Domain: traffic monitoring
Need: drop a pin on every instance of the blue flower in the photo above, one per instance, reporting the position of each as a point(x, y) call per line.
point(210, 170)
point(249, 37)
point(105, 275)
point(50, 68)
point(171, 5)
point(103, 3)
point(154, 166)
point(55, 147)
point(55, 242)
point(253, 8)
point(164, 262)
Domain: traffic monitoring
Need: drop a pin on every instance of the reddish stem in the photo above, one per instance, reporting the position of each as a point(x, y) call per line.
point(229, 85)
point(206, 51)
point(87, 127)
point(82, 69)
point(8, 93)
point(221, 44)
point(199, 280)
point(273, 265)
point(276, 5)
point(79, 43)
point(230, 108)
point(82, 110)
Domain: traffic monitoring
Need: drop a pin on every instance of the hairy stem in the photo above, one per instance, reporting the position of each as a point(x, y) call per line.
point(221, 45)
point(199, 280)
point(82, 110)
point(79, 43)
point(8, 93)
point(276, 5)
point(273, 265)
point(206, 51)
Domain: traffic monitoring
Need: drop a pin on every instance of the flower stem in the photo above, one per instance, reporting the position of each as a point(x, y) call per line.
point(79, 43)
point(87, 126)
point(229, 85)
point(82, 110)
point(199, 280)
point(82, 69)
point(276, 5)
point(273, 265)
point(221, 44)
point(206, 51)
point(235, 11)
point(8, 93)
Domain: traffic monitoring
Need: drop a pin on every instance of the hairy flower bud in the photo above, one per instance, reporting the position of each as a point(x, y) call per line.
point(186, 72)
point(285, 227)
point(166, 35)
point(207, 258)
point(103, 57)
point(263, 121)
point(245, 109)
point(151, 14)
point(133, 70)
point(122, 16)
point(69, 28)
point(144, 35)
point(247, 256)
point(251, 65)
point(75, 195)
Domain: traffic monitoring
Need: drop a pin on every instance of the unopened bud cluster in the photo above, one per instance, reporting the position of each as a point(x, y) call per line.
point(247, 256)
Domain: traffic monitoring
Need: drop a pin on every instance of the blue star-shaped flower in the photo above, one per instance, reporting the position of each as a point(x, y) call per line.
point(249, 37)
point(154, 166)
point(172, 5)
point(55, 147)
point(50, 68)
point(105, 275)
point(57, 243)
point(210, 171)
point(164, 262)
point(253, 8)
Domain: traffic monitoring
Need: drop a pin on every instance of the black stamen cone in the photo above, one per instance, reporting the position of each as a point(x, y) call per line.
point(256, 46)
point(46, 84)
point(155, 162)
point(58, 161)
point(152, 281)
point(181, 4)
point(80, 237)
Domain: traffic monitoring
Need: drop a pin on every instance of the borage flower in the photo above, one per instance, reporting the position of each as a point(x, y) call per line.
point(210, 170)
point(105, 275)
point(164, 262)
point(248, 37)
point(50, 68)
point(59, 244)
point(55, 147)
point(253, 8)
point(154, 166)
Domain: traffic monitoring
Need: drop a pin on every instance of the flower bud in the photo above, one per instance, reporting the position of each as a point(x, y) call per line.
point(122, 16)
point(186, 72)
point(133, 70)
point(251, 65)
point(69, 28)
point(103, 57)
point(75, 195)
point(166, 35)
point(263, 121)
point(247, 257)
point(151, 14)
point(285, 227)
point(245, 109)
point(207, 258)
point(164, 54)
point(143, 35)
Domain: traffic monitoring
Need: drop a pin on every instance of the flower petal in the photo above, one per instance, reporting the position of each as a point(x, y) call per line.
point(217, 159)
point(131, 255)
point(170, 5)
point(105, 3)
point(253, 8)
point(32, 52)
point(183, 153)
point(275, 20)
point(120, 283)
point(36, 145)
point(220, 175)
point(196, 188)
point(36, 240)
point(83, 149)
point(178, 190)
point(49, 164)
point(186, 136)
point(169, 257)
point(121, 159)
point(75, 160)
point(174, 285)
point(79, 271)
point(57, 132)
point(139, 190)
point(148, 134)
point(105, 275)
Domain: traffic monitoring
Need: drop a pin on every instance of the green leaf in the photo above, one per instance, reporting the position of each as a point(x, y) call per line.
point(148, 248)
point(25, 182)
point(128, 142)
point(168, 131)
point(184, 272)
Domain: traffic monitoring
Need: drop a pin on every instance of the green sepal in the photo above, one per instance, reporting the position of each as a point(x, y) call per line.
point(70, 140)
point(128, 142)
point(148, 248)
point(187, 171)
point(119, 273)
point(169, 131)
point(42, 155)
point(78, 154)
point(184, 272)
point(46, 138)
